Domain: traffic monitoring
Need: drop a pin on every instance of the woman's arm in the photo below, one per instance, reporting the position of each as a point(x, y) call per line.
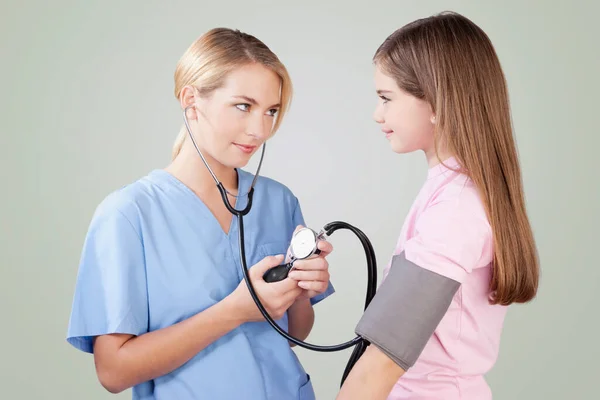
point(123, 361)
point(312, 276)
point(372, 377)
point(301, 318)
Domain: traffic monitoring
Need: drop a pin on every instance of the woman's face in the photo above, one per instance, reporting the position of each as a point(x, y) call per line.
point(233, 122)
point(406, 121)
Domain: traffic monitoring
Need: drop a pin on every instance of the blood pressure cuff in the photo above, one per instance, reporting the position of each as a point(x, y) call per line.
point(405, 311)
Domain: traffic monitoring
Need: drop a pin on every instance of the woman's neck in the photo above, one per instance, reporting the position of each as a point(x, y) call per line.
point(189, 168)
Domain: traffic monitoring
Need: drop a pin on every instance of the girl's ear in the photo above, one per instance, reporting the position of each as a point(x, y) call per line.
point(432, 119)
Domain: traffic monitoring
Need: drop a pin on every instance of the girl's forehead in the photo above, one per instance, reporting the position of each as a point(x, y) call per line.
point(384, 82)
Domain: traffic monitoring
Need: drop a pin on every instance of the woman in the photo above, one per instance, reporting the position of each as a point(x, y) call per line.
point(160, 299)
point(466, 250)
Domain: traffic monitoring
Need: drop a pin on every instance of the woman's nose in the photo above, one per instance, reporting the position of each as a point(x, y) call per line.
point(259, 128)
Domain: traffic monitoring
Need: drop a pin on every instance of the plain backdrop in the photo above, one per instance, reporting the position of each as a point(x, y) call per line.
point(87, 106)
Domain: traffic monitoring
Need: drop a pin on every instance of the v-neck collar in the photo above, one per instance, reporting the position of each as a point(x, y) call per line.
point(171, 184)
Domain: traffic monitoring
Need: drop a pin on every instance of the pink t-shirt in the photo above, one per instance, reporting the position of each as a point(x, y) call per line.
point(447, 231)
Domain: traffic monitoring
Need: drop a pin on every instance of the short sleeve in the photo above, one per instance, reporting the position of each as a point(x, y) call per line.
point(298, 219)
point(110, 291)
point(451, 238)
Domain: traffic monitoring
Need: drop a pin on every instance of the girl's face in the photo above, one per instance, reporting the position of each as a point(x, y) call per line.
point(236, 119)
point(407, 122)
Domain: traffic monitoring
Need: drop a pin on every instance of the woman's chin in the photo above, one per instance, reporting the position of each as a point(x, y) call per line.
point(237, 162)
point(240, 160)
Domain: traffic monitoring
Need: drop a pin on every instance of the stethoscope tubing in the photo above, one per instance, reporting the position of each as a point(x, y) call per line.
point(359, 343)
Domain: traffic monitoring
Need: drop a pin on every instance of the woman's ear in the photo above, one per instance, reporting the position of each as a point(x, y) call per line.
point(187, 99)
point(432, 119)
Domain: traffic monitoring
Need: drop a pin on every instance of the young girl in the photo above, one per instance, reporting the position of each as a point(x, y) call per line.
point(160, 299)
point(466, 250)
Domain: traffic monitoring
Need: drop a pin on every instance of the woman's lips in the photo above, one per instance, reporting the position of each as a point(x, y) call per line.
point(248, 149)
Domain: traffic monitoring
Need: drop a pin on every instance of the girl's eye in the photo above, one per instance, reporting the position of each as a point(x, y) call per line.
point(385, 99)
point(272, 112)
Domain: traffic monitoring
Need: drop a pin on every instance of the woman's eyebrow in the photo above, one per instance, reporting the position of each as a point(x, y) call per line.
point(253, 101)
point(248, 99)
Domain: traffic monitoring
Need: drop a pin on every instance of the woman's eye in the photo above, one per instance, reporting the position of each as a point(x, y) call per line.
point(246, 107)
point(385, 99)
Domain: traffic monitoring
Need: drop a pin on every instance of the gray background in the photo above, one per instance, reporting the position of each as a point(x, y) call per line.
point(87, 106)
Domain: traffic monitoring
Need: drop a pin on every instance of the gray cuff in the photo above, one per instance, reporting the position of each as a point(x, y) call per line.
point(407, 308)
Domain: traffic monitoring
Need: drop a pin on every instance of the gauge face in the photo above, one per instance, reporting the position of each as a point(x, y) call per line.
point(303, 243)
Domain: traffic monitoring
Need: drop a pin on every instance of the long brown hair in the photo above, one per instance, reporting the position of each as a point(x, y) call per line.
point(210, 58)
point(450, 62)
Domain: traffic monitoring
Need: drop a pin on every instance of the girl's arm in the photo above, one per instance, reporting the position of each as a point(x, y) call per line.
point(398, 323)
point(372, 377)
point(450, 241)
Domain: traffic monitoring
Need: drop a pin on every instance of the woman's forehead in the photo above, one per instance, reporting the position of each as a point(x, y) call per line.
point(257, 85)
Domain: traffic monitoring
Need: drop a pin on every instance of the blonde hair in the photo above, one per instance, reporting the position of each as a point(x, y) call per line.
point(450, 62)
point(208, 61)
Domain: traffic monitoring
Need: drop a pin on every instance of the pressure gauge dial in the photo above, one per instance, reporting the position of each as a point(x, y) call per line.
point(304, 244)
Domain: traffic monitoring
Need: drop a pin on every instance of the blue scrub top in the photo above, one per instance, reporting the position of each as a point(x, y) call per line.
point(155, 255)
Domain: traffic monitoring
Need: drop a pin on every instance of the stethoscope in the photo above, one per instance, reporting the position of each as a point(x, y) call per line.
point(302, 246)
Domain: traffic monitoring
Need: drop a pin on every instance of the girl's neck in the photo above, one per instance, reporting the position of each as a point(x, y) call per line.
point(434, 159)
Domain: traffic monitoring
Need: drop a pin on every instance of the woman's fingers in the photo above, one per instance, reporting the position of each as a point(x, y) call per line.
point(311, 264)
point(318, 275)
point(325, 247)
point(316, 286)
point(284, 286)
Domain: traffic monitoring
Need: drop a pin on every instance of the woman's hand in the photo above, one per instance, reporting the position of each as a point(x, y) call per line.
point(312, 274)
point(276, 297)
